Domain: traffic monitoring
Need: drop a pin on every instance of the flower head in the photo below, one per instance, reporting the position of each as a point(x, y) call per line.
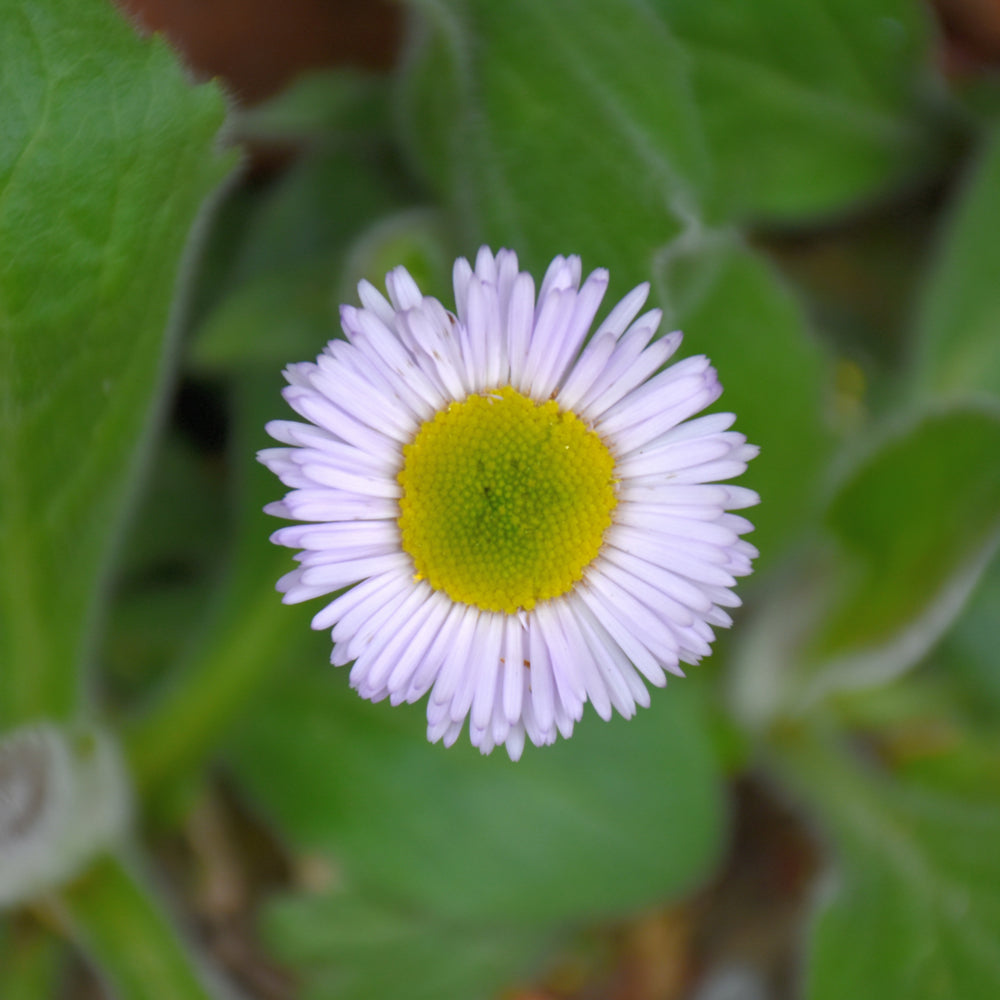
point(515, 519)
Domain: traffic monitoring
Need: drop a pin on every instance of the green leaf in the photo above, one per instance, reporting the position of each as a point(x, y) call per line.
point(809, 107)
point(915, 521)
point(279, 302)
point(168, 572)
point(912, 909)
point(246, 631)
point(338, 945)
point(969, 651)
point(122, 927)
point(105, 157)
point(733, 307)
point(918, 520)
point(30, 960)
point(547, 132)
point(958, 348)
point(318, 105)
point(622, 814)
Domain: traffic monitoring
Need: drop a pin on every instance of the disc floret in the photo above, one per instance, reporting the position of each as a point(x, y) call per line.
point(505, 500)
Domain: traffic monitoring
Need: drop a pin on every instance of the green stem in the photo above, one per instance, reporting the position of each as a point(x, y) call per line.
point(121, 926)
point(852, 799)
point(249, 633)
point(178, 730)
point(30, 960)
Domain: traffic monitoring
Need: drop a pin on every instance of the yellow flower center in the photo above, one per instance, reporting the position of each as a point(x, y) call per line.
point(505, 501)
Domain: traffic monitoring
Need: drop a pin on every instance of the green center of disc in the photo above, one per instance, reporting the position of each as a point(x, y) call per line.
point(505, 501)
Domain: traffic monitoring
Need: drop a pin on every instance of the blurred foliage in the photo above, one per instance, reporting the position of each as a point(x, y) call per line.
point(531, 842)
point(956, 349)
point(106, 155)
point(815, 204)
point(811, 108)
point(913, 908)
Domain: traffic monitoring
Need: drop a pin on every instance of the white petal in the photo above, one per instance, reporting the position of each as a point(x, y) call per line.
point(738, 497)
point(569, 684)
point(658, 389)
point(374, 660)
point(711, 472)
point(672, 457)
point(294, 433)
point(357, 616)
point(457, 660)
point(564, 341)
point(339, 574)
point(697, 395)
point(640, 620)
point(581, 377)
point(355, 387)
point(520, 322)
point(489, 644)
point(542, 682)
point(371, 626)
point(562, 273)
point(625, 311)
point(676, 384)
point(461, 276)
point(679, 561)
point(617, 675)
point(412, 652)
point(628, 365)
point(669, 520)
point(698, 427)
point(551, 320)
point(437, 351)
point(364, 591)
point(294, 591)
point(343, 536)
point(405, 649)
point(583, 657)
point(329, 474)
point(367, 384)
point(426, 674)
point(679, 597)
point(374, 301)
point(403, 291)
point(311, 405)
point(485, 336)
point(325, 504)
point(506, 276)
point(514, 668)
point(384, 348)
point(515, 742)
point(486, 265)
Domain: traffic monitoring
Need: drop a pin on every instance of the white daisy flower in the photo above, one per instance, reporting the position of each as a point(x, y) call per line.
point(515, 519)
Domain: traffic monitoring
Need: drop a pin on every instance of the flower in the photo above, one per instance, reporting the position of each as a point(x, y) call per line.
point(515, 519)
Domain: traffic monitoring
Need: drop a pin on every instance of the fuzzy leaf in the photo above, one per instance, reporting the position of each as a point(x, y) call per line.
point(547, 132)
point(912, 910)
point(735, 309)
point(809, 107)
point(557, 836)
point(918, 521)
point(958, 340)
point(105, 157)
point(337, 943)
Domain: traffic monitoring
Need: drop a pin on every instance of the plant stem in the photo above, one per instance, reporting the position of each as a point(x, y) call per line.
point(121, 926)
point(249, 634)
point(29, 959)
point(179, 729)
